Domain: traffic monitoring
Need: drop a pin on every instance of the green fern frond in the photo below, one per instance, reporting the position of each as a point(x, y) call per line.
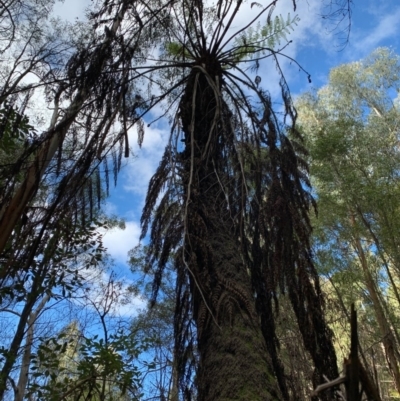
point(257, 41)
point(177, 50)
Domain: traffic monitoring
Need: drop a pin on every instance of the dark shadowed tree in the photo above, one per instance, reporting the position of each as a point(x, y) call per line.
point(230, 201)
point(88, 78)
point(51, 182)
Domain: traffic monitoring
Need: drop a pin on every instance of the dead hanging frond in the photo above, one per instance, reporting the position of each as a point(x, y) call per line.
point(96, 81)
point(281, 234)
point(140, 131)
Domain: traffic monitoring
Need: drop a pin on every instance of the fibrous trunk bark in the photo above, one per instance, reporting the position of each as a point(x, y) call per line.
point(234, 363)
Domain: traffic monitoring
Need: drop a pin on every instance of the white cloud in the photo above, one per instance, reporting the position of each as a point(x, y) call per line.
point(119, 242)
point(310, 31)
point(123, 302)
point(110, 208)
point(131, 308)
point(142, 167)
point(104, 290)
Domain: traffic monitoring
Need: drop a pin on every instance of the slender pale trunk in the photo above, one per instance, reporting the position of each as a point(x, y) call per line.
point(36, 292)
point(388, 339)
point(382, 256)
point(26, 356)
point(173, 392)
point(13, 210)
point(12, 352)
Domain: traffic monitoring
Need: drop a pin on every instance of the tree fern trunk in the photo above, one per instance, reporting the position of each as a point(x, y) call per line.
point(233, 360)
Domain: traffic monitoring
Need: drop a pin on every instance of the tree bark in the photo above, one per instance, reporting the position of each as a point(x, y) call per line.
point(233, 358)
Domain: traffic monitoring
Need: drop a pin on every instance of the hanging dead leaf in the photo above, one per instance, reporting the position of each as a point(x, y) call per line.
point(140, 131)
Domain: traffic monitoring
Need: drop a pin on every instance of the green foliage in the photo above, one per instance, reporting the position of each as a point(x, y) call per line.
point(14, 128)
point(71, 366)
point(254, 42)
point(218, 250)
point(177, 50)
point(350, 128)
point(261, 39)
point(154, 324)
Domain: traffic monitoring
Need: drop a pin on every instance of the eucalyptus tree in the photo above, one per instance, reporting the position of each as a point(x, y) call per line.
point(351, 128)
point(12, 12)
point(229, 201)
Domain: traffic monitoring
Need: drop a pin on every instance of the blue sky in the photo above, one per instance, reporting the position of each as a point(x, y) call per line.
point(316, 45)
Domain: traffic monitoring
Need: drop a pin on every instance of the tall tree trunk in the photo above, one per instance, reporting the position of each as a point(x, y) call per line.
point(26, 356)
point(173, 391)
point(12, 352)
point(388, 339)
point(233, 358)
